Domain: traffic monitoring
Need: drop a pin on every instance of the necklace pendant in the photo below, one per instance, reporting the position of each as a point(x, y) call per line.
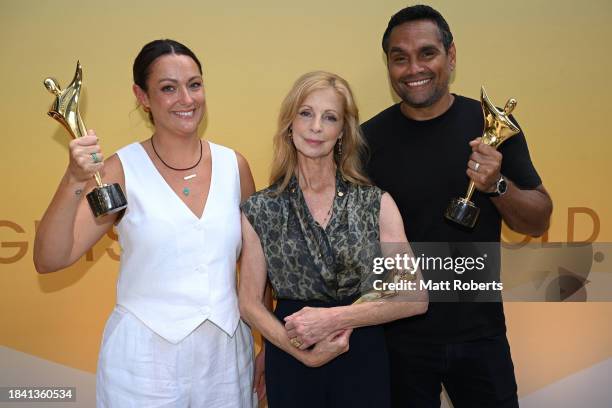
point(189, 177)
point(185, 191)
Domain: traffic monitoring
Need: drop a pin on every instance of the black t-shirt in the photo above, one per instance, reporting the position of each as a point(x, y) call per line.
point(422, 164)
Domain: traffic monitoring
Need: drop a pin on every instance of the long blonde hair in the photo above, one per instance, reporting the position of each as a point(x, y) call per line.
point(348, 163)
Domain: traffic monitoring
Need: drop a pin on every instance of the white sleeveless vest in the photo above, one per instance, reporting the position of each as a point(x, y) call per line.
point(177, 270)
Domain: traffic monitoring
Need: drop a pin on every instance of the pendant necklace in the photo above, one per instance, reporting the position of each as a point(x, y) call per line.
point(189, 177)
point(322, 224)
point(186, 190)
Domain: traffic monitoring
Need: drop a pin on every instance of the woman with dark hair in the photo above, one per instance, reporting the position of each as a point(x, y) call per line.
point(314, 233)
point(175, 337)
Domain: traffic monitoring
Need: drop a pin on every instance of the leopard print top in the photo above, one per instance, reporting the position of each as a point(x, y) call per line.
point(307, 262)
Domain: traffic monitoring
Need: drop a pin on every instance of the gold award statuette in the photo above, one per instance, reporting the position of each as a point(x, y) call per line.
point(105, 198)
point(497, 128)
point(397, 278)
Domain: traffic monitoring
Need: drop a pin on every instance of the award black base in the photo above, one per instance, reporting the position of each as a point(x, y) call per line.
point(107, 199)
point(463, 212)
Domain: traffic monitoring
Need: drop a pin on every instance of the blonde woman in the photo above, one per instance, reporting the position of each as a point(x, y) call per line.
point(313, 234)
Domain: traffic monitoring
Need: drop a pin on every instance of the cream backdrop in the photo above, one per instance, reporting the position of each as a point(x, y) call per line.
point(553, 56)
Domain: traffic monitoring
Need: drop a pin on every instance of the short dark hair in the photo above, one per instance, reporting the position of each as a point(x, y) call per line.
point(152, 51)
point(414, 13)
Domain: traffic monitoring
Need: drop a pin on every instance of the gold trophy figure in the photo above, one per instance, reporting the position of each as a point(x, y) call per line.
point(498, 127)
point(375, 295)
point(104, 199)
point(394, 281)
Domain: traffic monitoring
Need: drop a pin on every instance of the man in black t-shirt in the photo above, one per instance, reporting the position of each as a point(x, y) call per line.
point(424, 151)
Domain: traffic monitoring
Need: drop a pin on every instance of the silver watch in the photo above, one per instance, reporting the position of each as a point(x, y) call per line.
point(501, 186)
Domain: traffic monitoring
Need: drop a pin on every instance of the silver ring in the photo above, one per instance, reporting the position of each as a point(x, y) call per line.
point(95, 158)
point(476, 166)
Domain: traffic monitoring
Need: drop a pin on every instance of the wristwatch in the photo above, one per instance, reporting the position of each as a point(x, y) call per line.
point(501, 186)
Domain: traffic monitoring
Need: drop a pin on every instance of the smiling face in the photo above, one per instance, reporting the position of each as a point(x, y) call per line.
point(175, 94)
point(419, 66)
point(318, 124)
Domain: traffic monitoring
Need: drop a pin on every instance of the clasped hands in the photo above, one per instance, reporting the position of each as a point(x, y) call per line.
point(315, 326)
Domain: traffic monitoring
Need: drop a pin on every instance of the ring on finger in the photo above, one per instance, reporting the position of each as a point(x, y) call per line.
point(95, 158)
point(295, 342)
point(476, 167)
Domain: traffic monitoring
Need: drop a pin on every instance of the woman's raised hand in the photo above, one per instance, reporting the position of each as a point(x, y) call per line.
point(85, 157)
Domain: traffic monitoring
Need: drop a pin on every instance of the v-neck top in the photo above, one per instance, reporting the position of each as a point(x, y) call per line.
point(308, 262)
point(178, 270)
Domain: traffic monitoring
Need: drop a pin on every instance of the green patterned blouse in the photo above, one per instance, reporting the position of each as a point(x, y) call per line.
point(307, 262)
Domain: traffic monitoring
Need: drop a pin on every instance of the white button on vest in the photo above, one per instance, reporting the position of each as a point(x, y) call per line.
point(172, 262)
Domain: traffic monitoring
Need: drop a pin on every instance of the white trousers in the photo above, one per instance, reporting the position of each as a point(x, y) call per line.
point(138, 368)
